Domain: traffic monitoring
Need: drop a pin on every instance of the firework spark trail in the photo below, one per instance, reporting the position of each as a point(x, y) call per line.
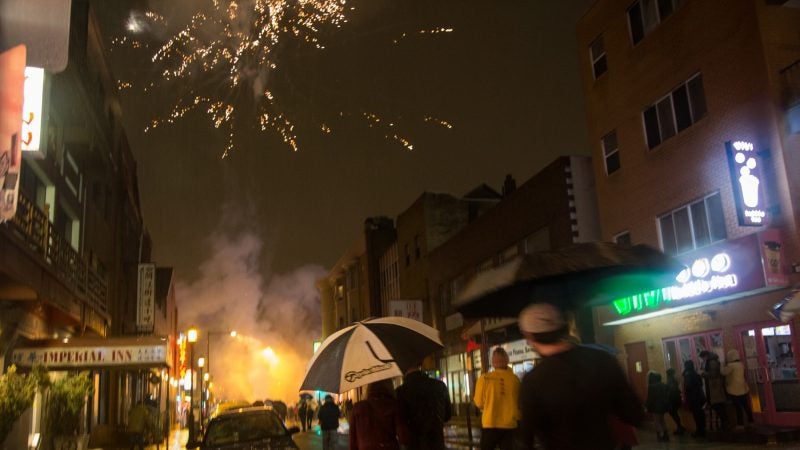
point(423, 32)
point(228, 52)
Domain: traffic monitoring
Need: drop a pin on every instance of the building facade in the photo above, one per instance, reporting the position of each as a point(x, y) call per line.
point(70, 258)
point(691, 108)
point(554, 208)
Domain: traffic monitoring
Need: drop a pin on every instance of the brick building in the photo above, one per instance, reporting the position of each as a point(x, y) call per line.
point(692, 113)
point(554, 208)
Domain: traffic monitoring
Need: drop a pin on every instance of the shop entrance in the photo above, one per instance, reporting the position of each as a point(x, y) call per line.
point(769, 352)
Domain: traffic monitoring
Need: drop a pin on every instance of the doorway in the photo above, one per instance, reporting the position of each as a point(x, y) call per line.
point(769, 353)
point(638, 367)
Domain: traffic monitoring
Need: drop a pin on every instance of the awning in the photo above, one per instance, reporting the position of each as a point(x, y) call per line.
point(95, 353)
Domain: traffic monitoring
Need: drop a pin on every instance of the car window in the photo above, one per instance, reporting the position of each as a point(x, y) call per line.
point(243, 428)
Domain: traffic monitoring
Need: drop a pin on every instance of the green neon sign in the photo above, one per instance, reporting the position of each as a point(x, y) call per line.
point(644, 300)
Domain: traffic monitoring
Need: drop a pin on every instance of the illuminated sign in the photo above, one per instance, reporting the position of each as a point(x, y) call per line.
point(746, 177)
point(722, 269)
point(410, 309)
point(93, 356)
point(32, 109)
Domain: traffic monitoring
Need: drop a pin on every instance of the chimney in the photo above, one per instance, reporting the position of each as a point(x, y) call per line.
point(509, 185)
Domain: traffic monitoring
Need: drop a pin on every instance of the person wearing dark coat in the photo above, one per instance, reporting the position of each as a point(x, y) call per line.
point(674, 401)
point(425, 404)
point(695, 397)
point(328, 416)
point(715, 386)
point(657, 404)
point(376, 423)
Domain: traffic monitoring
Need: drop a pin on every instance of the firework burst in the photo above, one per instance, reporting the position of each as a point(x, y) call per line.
point(224, 59)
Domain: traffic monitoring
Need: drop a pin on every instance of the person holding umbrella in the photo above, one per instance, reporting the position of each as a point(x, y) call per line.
point(376, 423)
point(425, 404)
point(569, 398)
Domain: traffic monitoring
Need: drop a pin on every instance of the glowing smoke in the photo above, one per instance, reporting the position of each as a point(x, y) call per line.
point(280, 311)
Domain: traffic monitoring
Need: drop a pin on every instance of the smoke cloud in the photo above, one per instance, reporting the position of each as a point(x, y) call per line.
point(279, 311)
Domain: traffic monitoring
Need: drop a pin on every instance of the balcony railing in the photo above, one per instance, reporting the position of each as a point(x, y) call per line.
point(33, 225)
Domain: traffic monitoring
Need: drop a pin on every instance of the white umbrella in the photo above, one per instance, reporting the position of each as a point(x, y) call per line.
point(368, 351)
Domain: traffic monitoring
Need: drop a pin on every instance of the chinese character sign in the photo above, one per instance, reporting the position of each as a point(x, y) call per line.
point(146, 295)
point(410, 309)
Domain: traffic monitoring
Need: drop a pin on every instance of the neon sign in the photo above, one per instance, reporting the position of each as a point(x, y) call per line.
point(703, 276)
point(745, 167)
point(32, 109)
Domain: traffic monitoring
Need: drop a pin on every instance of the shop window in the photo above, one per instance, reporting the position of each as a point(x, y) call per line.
point(693, 226)
point(685, 348)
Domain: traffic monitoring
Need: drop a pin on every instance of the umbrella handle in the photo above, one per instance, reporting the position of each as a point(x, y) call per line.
point(371, 350)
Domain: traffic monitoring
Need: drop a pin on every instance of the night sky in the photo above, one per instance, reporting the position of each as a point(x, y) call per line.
point(506, 78)
point(250, 234)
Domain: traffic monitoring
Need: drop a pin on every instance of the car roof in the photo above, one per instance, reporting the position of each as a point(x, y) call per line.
point(245, 410)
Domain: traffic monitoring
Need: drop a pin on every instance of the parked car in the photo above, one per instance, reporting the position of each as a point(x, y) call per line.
point(251, 428)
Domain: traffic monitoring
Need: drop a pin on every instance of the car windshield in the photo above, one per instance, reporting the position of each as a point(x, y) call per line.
point(243, 428)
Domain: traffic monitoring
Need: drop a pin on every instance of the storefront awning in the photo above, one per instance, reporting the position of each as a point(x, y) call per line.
point(95, 353)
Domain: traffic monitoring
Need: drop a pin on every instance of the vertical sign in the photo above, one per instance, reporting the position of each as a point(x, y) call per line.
point(746, 177)
point(12, 82)
point(32, 109)
point(410, 309)
point(770, 243)
point(146, 297)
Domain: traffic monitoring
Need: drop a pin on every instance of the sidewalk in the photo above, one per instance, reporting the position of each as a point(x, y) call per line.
point(456, 437)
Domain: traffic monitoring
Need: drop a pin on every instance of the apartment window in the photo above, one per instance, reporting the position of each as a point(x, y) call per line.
point(611, 152)
point(406, 255)
point(679, 109)
point(598, 54)
point(692, 226)
point(645, 15)
point(623, 238)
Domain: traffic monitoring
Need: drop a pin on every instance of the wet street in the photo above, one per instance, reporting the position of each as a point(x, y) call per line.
point(457, 439)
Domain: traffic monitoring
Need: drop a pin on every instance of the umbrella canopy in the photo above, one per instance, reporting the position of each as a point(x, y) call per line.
point(369, 351)
point(591, 273)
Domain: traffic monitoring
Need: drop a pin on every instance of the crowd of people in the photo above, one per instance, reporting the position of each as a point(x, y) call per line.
point(577, 397)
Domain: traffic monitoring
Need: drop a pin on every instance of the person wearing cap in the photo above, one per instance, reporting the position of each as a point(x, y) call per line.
point(568, 399)
point(496, 395)
point(328, 422)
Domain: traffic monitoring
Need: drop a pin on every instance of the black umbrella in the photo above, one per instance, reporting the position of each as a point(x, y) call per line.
point(591, 273)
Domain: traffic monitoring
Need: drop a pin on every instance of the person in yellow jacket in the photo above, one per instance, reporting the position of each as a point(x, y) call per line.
point(496, 395)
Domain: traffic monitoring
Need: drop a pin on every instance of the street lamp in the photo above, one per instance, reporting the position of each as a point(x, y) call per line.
point(191, 336)
point(200, 363)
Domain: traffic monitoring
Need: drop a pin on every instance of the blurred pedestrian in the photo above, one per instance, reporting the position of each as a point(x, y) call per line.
point(657, 404)
point(675, 401)
point(567, 400)
point(280, 409)
point(425, 405)
point(715, 386)
point(496, 395)
point(737, 388)
point(302, 412)
point(311, 409)
point(328, 422)
point(695, 397)
point(376, 423)
point(138, 421)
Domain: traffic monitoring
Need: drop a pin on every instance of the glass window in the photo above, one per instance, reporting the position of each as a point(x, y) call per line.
point(683, 230)
point(635, 22)
point(665, 120)
point(683, 114)
point(700, 224)
point(651, 127)
point(667, 229)
point(623, 238)
point(650, 14)
point(598, 54)
point(694, 226)
point(674, 113)
point(664, 9)
point(611, 152)
point(698, 97)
